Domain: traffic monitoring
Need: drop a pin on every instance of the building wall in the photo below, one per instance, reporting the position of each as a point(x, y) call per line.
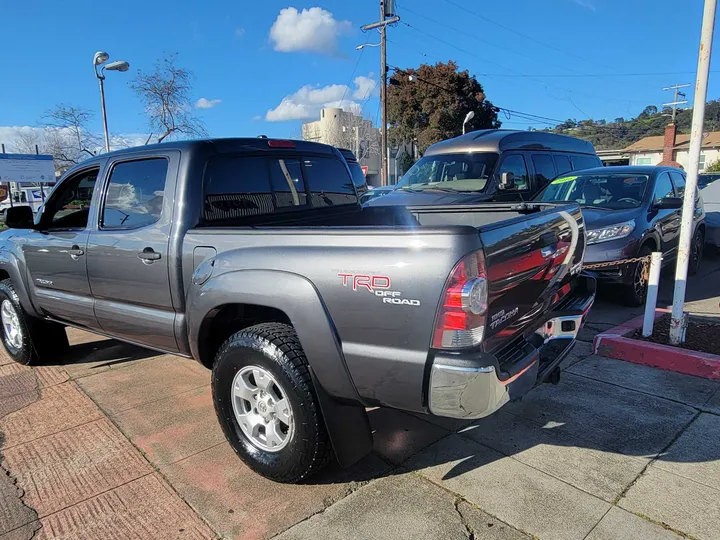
point(707, 156)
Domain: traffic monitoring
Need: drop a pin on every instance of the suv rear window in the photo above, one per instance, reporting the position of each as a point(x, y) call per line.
point(237, 187)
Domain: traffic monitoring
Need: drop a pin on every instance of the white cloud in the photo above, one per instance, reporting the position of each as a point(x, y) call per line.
point(365, 87)
point(313, 29)
point(306, 103)
point(10, 137)
point(204, 103)
point(239, 31)
point(586, 4)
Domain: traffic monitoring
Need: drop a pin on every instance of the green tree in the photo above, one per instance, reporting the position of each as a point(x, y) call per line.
point(713, 167)
point(430, 103)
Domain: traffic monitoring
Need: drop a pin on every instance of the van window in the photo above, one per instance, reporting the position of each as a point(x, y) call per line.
point(515, 164)
point(581, 162)
point(544, 169)
point(562, 164)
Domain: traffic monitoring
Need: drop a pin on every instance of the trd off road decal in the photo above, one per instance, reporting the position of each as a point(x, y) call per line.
point(378, 286)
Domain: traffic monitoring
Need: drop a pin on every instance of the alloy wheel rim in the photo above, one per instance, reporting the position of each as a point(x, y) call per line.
point(262, 409)
point(11, 324)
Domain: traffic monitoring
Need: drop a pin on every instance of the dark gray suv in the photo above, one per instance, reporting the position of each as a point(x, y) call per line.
point(629, 212)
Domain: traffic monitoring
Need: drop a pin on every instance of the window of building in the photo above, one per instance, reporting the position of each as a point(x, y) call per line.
point(135, 194)
point(643, 161)
point(562, 164)
point(544, 169)
point(515, 164)
point(701, 163)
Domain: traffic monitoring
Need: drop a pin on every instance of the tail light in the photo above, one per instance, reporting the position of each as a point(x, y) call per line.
point(279, 143)
point(460, 321)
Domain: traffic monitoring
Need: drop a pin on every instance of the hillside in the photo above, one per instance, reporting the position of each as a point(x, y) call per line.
point(621, 132)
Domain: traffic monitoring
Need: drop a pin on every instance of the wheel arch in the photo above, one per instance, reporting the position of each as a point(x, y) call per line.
point(244, 297)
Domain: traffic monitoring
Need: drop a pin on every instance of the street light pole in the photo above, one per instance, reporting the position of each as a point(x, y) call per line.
point(101, 79)
point(677, 322)
point(119, 65)
point(383, 99)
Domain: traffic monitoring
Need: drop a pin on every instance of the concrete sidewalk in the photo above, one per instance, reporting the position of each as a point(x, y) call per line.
point(119, 442)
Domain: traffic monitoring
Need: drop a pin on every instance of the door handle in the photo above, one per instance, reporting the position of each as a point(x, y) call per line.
point(148, 255)
point(75, 252)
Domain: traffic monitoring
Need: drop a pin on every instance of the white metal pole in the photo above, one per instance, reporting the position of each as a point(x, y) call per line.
point(677, 325)
point(652, 293)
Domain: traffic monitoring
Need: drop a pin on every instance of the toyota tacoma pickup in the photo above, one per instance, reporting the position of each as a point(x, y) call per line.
point(254, 257)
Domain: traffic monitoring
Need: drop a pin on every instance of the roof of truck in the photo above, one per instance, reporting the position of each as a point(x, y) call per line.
point(500, 140)
point(230, 144)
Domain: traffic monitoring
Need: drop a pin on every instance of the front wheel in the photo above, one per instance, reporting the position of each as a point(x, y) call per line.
point(634, 293)
point(266, 403)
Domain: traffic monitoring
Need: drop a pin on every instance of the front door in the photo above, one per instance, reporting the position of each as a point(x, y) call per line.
point(56, 254)
point(666, 221)
point(513, 163)
point(128, 253)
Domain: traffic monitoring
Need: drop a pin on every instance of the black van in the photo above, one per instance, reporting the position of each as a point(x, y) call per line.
point(490, 165)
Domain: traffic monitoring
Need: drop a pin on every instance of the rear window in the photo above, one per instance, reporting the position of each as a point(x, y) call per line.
point(238, 187)
point(357, 176)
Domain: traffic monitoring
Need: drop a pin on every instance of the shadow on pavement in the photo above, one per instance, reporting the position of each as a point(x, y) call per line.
point(104, 353)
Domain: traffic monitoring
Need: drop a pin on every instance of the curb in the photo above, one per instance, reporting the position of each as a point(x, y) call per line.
point(614, 344)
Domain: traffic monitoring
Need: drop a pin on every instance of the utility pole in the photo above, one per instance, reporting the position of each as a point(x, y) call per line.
point(357, 142)
point(678, 320)
point(675, 102)
point(387, 16)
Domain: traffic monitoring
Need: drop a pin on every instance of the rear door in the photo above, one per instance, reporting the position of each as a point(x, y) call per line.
point(128, 251)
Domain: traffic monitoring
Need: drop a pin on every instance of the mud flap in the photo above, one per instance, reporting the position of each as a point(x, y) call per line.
point(348, 427)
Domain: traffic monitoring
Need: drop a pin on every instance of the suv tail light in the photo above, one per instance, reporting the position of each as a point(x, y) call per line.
point(460, 321)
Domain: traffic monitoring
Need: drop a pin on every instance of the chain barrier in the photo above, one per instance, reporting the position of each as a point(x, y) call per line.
point(644, 260)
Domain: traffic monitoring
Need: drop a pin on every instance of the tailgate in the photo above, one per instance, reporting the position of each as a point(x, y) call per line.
point(530, 263)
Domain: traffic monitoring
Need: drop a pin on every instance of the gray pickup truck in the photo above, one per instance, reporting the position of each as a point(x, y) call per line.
point(254, 257)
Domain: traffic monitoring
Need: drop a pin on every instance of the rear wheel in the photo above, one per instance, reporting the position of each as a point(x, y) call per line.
point(696, 252)
point(266, 403)
point(634, 293)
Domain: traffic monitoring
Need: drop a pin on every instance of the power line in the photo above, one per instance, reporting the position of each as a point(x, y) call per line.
point(357, 63)
point(518, 33)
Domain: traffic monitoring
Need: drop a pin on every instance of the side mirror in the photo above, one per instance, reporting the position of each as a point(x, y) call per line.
point(507, 181)
point(19, 217)
point(669, 203)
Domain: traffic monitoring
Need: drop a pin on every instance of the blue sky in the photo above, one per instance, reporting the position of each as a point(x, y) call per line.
point(530, 55)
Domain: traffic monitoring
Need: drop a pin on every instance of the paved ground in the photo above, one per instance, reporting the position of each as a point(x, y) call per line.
point(119, 442)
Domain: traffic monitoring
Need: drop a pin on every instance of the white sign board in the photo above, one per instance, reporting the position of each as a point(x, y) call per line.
point(26, 168)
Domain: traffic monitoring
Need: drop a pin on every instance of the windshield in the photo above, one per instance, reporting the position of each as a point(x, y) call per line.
point(611, 191)
point(450, 172)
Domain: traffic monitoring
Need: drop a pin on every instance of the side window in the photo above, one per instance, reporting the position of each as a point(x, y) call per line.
point(581, 162)
point(562, 164)
point(544, 169)
point(69, 205)
point(237, 187)
point(329, 182)
point(663, 187)
point(515, 164)
point(287, 182)
point(679, 181)
point(135, 193)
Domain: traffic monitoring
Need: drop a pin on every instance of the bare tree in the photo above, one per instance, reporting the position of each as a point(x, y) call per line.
point(26, 140)
point(165, 93)
point(353, 132)
point(67, 136)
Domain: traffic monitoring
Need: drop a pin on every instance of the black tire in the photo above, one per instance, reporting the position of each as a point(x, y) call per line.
point(40, 339)
point(275, 348)
point(634, 294)
point(696, 252)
